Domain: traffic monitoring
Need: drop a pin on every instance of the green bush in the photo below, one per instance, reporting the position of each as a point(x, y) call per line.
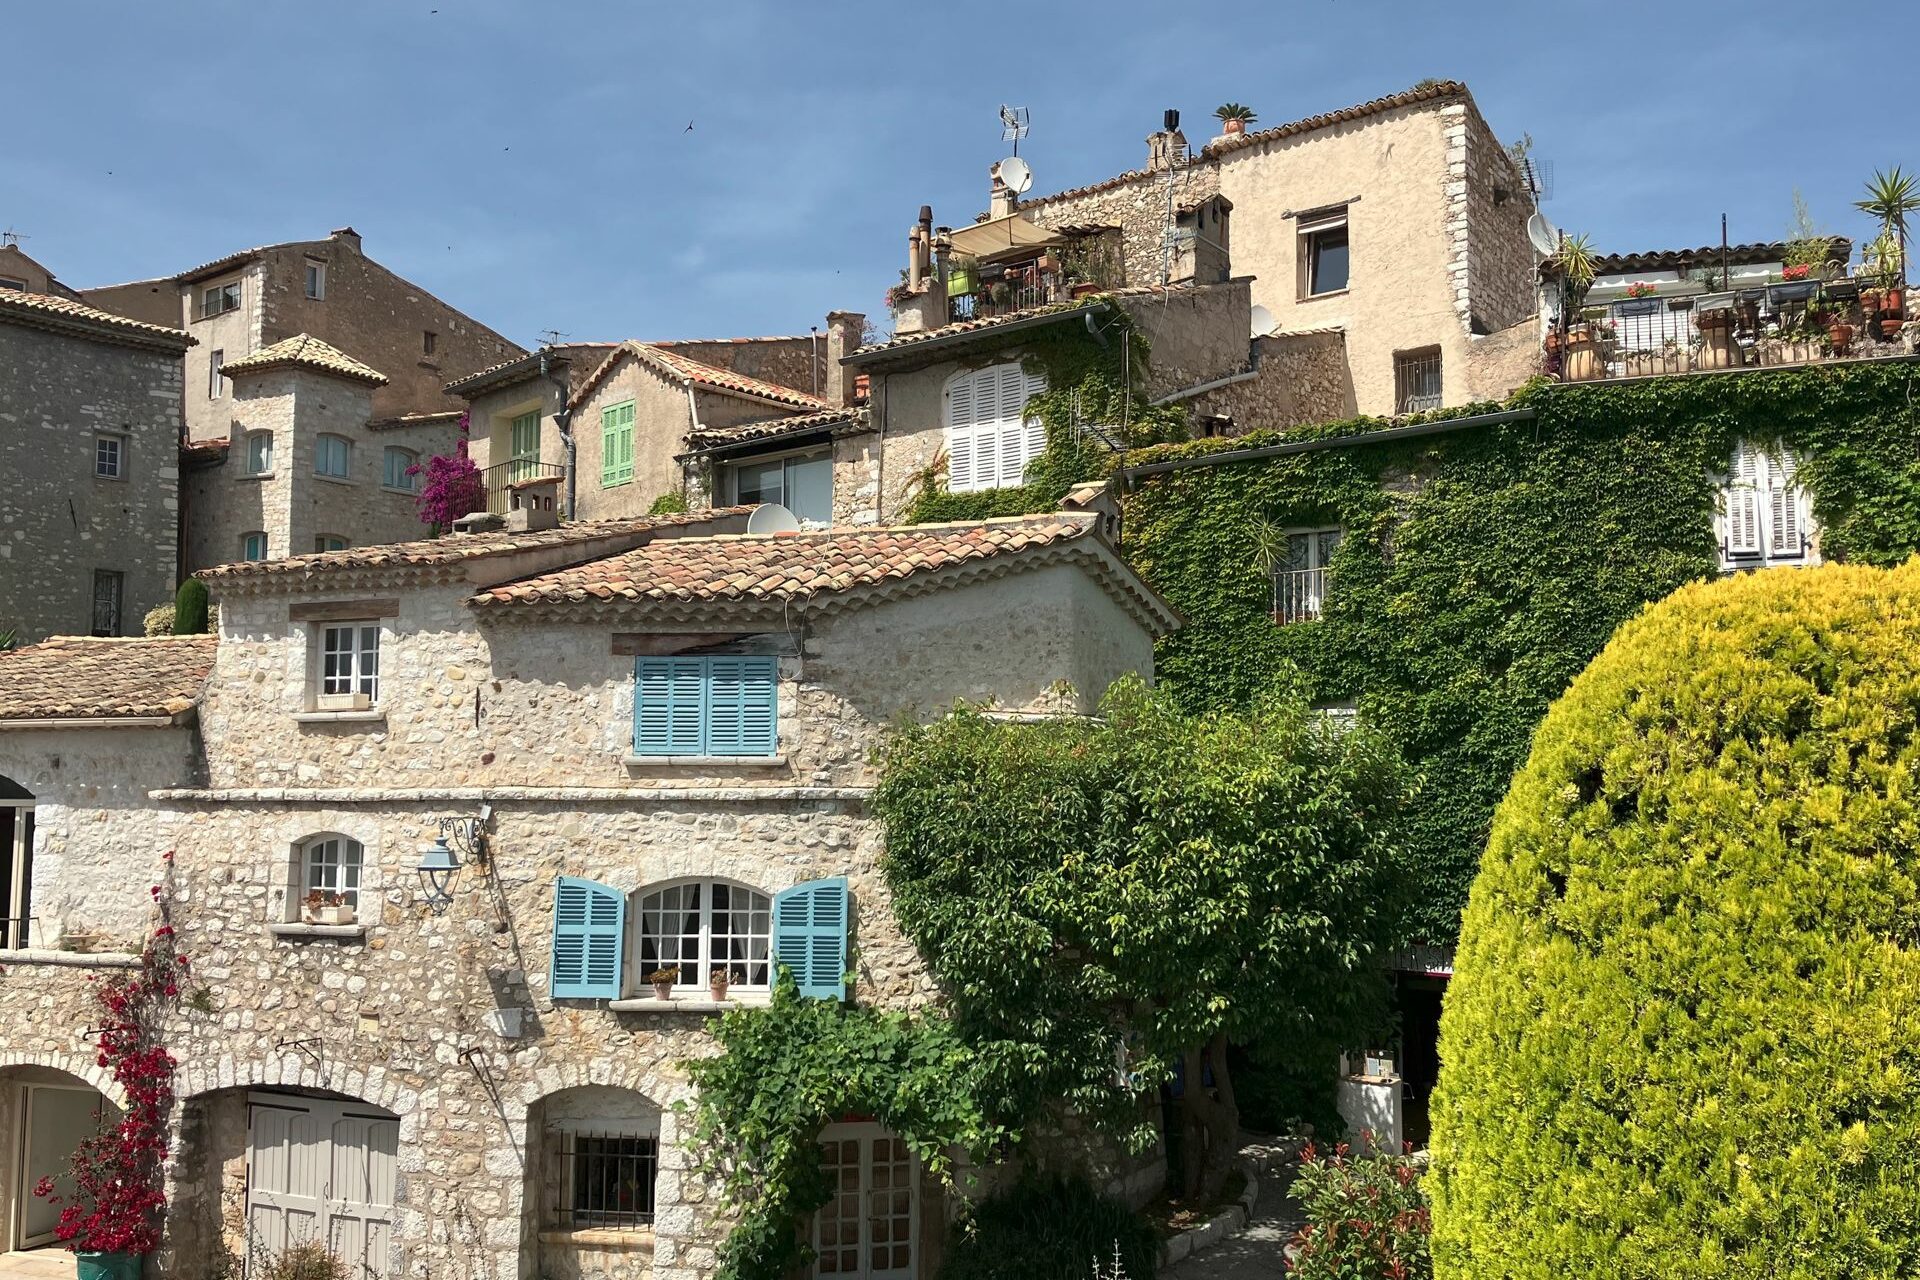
point(190, 608)
point(1681, 1037)
point(1367, 1218)
point(1048, 1227)
point(670, 503)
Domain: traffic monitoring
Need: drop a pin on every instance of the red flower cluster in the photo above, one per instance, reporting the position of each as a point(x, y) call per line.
point(1640, 289)
point(1366, 1218)
point(1799, 271)
point(118, 1198)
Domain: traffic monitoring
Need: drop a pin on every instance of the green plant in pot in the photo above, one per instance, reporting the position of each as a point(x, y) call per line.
point(1890, 197)
point(1885, 301)
point(1234, 118)
point(1578, 265)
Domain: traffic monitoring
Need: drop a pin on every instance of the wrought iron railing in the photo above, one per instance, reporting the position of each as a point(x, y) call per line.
point(501, 474)
point(1416, 381)
point(1298, 595)
point(1017, 292)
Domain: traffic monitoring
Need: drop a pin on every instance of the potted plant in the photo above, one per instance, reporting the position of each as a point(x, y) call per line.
point(1716, 350)
point(1890, 197)
point(1578, 264)
point(1234, 118)
point(663, 980)
point(1641, 289)
point(717, 984)
point(1886, 264)
point(323, 906)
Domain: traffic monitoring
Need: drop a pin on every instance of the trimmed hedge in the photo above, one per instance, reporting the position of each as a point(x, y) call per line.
point(1683, 1038)
point(190, 608)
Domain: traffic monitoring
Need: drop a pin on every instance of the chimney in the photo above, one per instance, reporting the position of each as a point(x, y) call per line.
point(1002, 201)
point(843, 337)
point(1168, 147)
point(920, 249)
point(347, 236)
point(534, 505)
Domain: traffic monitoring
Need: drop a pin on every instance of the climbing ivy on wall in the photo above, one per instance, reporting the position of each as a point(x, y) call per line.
point(1088, 382)
point(1483, 568)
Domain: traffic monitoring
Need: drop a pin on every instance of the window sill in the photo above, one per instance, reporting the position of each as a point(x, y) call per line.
point(602, 1238)
point(344, 932)
point(693, 1004)
point(706, 762)
point(256, 475)
point(70, 959)
point(1321, 297)
point(389, 488)
point(374, 715)
point(113, 479)
point(333, 479)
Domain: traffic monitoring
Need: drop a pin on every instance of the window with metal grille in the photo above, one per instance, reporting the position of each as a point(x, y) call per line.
point(109, 586)
point(220, 299)
point(1416, 380)
point(603, 1180)
point(1300, 581)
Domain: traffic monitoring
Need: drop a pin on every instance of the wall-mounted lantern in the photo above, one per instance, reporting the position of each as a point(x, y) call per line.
point(440, 862)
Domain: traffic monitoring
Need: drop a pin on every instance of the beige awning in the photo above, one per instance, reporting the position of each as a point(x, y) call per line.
point(1002, 237)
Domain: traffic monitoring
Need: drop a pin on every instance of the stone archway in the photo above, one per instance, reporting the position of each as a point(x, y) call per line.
point(47, 1108)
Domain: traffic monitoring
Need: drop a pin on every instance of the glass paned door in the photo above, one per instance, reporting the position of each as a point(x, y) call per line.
point(868, 1229)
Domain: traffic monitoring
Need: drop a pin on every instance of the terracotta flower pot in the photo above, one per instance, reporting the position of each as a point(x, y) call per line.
point(1233, 126)
point(663, 990)
point(717, 986)
point(1890, 326)
point(1841, 336)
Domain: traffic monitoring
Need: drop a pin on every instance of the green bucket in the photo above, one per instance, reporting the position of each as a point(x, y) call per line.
point(107, 1266)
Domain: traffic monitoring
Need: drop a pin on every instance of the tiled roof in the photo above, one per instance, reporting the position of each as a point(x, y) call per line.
point(1051, 309)
point(46, 311)
point(721, 342)
point(84, 678)
point(1235, 142)
point(456, 549)
point(305, 351)
point(444, 417)
point(775, 428)
point(696, 373)
point(234, 260)
point(1739, 255)
point(581, 359)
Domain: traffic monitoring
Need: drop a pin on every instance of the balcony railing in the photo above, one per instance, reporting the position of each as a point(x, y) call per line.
point(1767, 326)
point(501, 474)
point(1298, 594)
point(1017, 291)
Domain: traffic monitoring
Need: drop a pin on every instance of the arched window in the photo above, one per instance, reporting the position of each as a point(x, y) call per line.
point(330, 870)
point(397, 469)
point(990, 437)
point(700, 926)
point(259, 452)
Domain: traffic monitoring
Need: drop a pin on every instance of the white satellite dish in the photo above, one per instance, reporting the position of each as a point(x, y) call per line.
point(771, 517)
point(1262, 321)
point(1541, 232)
point(1016, 173)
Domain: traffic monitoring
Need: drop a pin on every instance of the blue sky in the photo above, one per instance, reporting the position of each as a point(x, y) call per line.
point(531, 164)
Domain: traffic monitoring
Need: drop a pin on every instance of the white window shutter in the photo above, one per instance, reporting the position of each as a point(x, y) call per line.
point(960, 434)
point(1743, 502)
point(1786, 535)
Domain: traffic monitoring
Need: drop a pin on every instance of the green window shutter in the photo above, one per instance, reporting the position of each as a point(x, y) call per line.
point(810, 936)
point(670, 706)
point(616, 445)
point(741, 695)
point(589, 927)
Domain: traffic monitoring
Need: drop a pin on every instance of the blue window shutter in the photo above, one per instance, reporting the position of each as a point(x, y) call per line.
point(589, 927)
point(810, 936)
point(741, 695)
point(669, 706)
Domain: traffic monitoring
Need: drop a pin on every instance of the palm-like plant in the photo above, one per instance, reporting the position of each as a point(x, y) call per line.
point(1578, 265)
point(1234, 111)
point(1890, 197)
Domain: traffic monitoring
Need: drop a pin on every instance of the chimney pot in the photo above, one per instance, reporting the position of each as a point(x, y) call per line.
point(346, 234)
point(1170, 119)
point(843, 338)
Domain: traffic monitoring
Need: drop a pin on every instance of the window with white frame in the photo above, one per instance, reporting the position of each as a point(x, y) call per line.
point(216, 379)
point(316, 280)
point(1766, 516)
point(396, 469)
point(253, 546)
point(1322, 256)
point(704, 926)
point(990, 435)
point(16, 866)
point(332, 457)
point(259, 453)
point(349, 674)
point(331, 867)
point(869, 1227)
point(1300, 580)
point(219, 299)
point(110, 457)
point(323, 542)
point(801, 482)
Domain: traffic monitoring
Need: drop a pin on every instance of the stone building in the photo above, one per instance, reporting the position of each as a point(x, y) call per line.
point(302, 467)
point(89, 438)
point(646, 742)
point(328, 289)
point(22, 274)
point(1399, 224)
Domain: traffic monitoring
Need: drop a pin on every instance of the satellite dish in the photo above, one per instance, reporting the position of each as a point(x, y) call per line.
point(1016, 174)
point(1540, 231)
point(1262, 321)
point(771, 517)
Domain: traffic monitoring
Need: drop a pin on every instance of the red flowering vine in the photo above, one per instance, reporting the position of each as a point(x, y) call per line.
point(119, 1198)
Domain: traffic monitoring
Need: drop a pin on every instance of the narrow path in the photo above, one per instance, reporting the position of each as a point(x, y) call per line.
point(1256, 1253)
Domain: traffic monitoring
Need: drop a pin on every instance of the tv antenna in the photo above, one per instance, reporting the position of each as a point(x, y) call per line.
point(1017, 174)
point(11, 237)
point(1013, 125)
point(551, 337)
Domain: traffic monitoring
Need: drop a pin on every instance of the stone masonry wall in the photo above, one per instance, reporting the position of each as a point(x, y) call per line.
point(232, 334)
point(60, 521)
point(1494, 267)
point(1300, 380)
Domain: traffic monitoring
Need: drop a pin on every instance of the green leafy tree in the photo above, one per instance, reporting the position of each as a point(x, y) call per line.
point(670, 503)
point(190, 608)
point(1104, 902)
point(1680, 1040)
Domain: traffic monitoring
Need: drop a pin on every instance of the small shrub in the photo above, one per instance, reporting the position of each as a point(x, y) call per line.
point(158, 620)
point(190, 608)
point(308, 1261)
point(1366, 1218)
point(1047, 1227)
point(670, 503)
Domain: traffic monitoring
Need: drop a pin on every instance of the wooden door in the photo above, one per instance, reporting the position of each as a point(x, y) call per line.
point(321, 1169)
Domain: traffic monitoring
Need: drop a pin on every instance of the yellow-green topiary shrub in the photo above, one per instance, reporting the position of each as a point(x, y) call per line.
point(1683, 1036)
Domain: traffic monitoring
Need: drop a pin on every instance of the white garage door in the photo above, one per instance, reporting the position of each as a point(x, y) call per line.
point(321, 1169)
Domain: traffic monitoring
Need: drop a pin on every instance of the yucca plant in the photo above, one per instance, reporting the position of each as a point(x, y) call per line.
point(1228, 112)
point(1578, 265)
point(1890, 197)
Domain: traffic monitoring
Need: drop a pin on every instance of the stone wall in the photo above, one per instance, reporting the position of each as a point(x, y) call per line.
point(797, 362)
point(1494, 268)
point(231, 334)
point(61, 522)
point(1139, 209)
point(1194, 335)
point(1500, 363)
point(1298, 380)
point(660, 424)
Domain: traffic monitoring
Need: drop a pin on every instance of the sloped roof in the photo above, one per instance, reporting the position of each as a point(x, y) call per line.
point(1052, 310)
point(304, 351)
point(581, 358)
point(832, 566)
point(63, 315)
point(851, 419)
point(89, 678)
point(1739, 255)
point(696, 373)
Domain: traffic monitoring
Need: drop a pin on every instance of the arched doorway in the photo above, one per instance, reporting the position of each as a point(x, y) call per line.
point(16, 864)
point(45, 1113)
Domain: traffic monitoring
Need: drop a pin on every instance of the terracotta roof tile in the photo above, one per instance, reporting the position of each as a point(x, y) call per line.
point(305, 351)
point(1069, 307)
point(581, 359)
point(1739, 255)
point(775, 428)
point(85, 678)
point(697, 373)
point(47, 311)
point(785, 566)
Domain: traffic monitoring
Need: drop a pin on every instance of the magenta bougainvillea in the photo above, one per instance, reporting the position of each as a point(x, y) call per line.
point(452, 487)
point(118, 1197)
